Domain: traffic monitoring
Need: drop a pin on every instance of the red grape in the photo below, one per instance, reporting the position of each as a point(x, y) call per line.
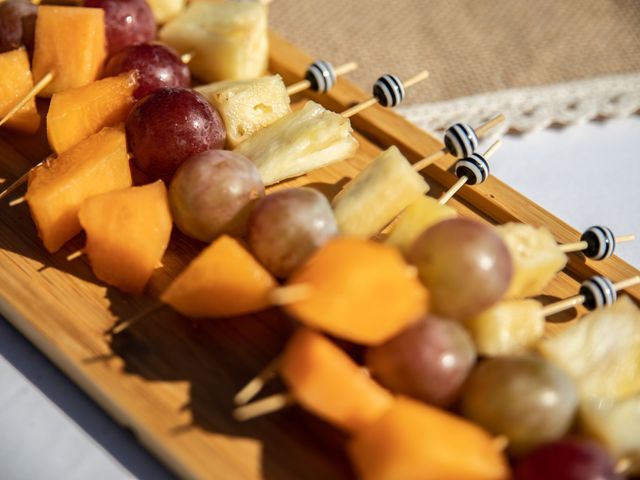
point(17, 24)
point(286, 227)
point(568, 459)
point(158, 65)
point(429, 361)
point(170, 125)
point(465, 265)
point(212, 193)
point(127, 22)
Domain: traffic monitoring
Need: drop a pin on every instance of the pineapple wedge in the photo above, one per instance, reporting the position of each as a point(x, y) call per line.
point(228, 40)
point(536, 257)
point(299, 142)
point(247, 106)
point(378, 194)
point(601, 351)
point(615, 424)
point(165, 10)
point(420, 215)
point(509, 327)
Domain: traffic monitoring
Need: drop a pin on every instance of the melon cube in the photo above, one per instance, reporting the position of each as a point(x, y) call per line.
point(71, 43)
point(324, 380)
point(247, 106)
point(79, 112)
point(413, 440)
point(59, 187)
point(223, 281)
point(228, 40)
point(15, 83)
point(128, 232)
point(378, 194)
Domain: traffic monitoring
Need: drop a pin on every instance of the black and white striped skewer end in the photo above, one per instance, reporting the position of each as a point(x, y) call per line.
point(597, 243)
point(321, 76)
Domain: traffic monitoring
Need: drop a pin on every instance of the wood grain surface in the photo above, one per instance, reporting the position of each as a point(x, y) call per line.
point(171, 380)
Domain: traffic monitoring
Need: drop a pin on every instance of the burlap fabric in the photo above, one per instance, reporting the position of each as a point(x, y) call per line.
point(469, 46)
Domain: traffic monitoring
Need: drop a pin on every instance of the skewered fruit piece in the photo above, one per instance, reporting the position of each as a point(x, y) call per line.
point(286, 227)
point(536, 258)
point(525, 398)
point(212, 194)
point(127, 22)
point(429, 361)
point(568, 459)
point(158, 66)
point(79, 112)
point(611, 336)
point(304, 140)
point(169, 126)
point(128, 232)
point(70, 42)
point(223, 281)
point(615, 425)
point(464, 264)
point(416, 218)
point(165, 10)
point(58, 188)
point(18, 20)
point(378, 194)
point(349, 282)
point(15, 83)
point(247, 106)
point(416, 441)
point(508, 327)
point(229, 40)
point(326, 381)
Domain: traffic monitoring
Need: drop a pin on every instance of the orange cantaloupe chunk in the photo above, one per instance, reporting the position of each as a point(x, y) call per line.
point(128, 231)
point(412, 440)
point(58, 188)
point(79, 112)
point(223, 281)
point(15, 83)
point(71, 43)
point(324, 380)
point(359, 290)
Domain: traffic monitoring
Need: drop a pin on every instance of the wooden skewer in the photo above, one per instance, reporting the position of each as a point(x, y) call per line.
point(480, 132)
point(350, 112)
point(579, 246)
point(35, 90)
point(186, 57)
point(122, 326)
point(257, 383)
point(305, 84)
point(290, 294)
point(74, 255)
point(264, 406)
point(17, 201)
point(23, 179)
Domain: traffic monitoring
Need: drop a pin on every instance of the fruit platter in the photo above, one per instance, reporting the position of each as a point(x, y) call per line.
point(273, 275)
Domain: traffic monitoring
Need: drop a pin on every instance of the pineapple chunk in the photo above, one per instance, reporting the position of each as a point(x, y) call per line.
point(509, 327)
point(615, 424)
point(228, 40)
point(417, 217)
point(601, 351)
point(378, 194)
point(247, 106)
point(165, 10)
point(299, 142)
point(536, 257)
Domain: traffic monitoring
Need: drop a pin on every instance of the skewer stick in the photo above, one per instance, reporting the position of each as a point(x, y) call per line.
point(35, 90)
point(290, 294)
point(23, 179)
point(257, 383)
point(125, 324)
point(74, 255)
point(17, 201)
point(579, 246)
point(446, 196)
point(437, 155)
point(305, 84)
point(263, 407)
point(350, 112)
point(186, 57)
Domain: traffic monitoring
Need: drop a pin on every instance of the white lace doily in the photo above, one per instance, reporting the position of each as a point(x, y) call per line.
point(530, 109)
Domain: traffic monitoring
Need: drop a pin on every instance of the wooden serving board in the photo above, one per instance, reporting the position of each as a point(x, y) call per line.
point(171, 380)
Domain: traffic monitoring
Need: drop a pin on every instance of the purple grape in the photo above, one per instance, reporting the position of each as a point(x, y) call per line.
point(17, 24)
point(286, 227)
point(567, 459)
point(170, 125)
point(212, 193)
point(127, 22)
point(158, 66)
point(429, 361)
